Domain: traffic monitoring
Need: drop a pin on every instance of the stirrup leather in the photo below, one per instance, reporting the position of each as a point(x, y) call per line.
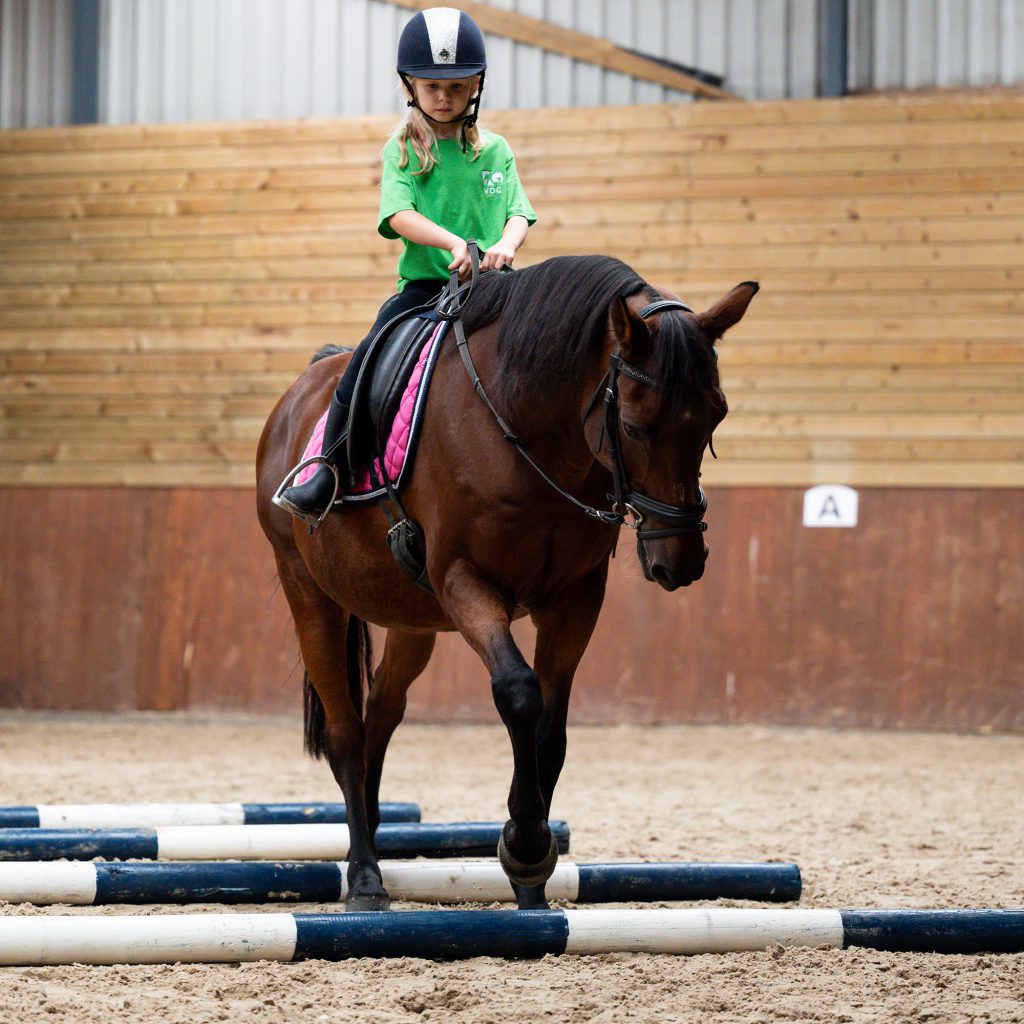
point(312, 520)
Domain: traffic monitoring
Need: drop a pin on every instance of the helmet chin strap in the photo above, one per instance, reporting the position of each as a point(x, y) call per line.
point(468, 120)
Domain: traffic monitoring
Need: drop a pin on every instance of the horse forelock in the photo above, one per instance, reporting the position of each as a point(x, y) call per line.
point(683, 361)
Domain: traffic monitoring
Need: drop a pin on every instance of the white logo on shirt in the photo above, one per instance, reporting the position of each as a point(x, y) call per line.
point(492, 182)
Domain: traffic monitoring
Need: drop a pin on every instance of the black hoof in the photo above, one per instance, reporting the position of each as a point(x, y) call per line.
point(358, 903)
point(527, 875)
point(530, 897)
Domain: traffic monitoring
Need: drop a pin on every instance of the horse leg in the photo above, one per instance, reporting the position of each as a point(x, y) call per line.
point(405, 657)
point(324, 640)
point(563, 631)
point(527, 849)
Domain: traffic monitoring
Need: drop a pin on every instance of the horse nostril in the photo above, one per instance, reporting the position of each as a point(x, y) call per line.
point(662, 575)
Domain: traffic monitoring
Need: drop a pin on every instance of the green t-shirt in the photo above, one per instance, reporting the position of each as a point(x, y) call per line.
point(471, 198)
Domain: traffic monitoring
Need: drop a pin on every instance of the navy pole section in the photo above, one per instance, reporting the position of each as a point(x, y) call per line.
point(155, 815)
point(87, 884)
point(458, 934)
point(256, 842)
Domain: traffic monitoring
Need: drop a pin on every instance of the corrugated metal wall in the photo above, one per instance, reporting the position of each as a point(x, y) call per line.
point(189, 60)
point(198, 60)
point(35, 63)
point(167, 60)
point(919, 43)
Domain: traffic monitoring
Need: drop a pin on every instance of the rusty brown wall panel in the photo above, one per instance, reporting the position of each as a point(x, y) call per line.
point(159, 598)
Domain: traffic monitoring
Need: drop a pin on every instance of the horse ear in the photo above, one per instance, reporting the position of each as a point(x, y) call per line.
point(727, 312)
point(632, 333)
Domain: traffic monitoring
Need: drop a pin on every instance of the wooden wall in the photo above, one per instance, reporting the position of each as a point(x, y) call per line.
point(159, 288)
point(911, 620)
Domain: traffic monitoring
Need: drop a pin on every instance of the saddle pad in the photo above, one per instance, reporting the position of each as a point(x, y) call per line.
point(400, 445)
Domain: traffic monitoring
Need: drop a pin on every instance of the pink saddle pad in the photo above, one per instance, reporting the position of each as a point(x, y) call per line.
point(397, 447)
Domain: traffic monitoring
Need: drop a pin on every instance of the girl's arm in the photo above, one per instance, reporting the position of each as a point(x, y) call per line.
point(504, 251)
point(423, 231)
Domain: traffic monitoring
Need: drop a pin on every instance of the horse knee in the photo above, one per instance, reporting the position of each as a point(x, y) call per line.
point(518, 698)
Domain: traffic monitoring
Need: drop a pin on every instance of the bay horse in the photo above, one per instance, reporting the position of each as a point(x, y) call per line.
point(600, 395)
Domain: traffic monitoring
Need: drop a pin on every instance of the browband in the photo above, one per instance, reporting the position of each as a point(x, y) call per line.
point(661, 305)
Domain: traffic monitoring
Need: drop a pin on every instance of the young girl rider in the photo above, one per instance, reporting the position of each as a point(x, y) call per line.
point(444, 181)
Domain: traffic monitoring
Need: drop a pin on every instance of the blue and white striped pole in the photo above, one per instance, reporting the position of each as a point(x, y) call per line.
point(455, 934)
point(156, 815)
point(255, 842)
point(85, 884)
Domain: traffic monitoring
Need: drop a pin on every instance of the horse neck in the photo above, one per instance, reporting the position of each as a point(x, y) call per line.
point(555, 429)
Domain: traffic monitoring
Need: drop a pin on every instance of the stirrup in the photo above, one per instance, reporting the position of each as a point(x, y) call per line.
point(311, 519)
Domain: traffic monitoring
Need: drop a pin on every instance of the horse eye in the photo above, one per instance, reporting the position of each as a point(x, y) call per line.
point(633, 432)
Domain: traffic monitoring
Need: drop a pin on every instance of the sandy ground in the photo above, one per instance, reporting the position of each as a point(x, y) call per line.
point(874, 820)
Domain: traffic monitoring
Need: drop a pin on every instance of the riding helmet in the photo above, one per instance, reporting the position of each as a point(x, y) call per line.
point(441, 42)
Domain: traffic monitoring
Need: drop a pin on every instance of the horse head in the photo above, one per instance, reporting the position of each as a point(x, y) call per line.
point(667, 397)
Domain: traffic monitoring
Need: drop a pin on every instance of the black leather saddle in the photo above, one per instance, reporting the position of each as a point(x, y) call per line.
point(382, 379)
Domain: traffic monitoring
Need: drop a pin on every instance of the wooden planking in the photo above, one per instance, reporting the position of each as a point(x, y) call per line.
point(718, 152)
point(667, 224)
point(875, 113)
point(160, 285)
point(819, 628)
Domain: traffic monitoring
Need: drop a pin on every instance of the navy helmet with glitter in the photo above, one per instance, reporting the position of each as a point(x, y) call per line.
point(442, 43)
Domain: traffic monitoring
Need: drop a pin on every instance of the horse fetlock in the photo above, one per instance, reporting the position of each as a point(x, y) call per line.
point(523, 871)
point(518, 698)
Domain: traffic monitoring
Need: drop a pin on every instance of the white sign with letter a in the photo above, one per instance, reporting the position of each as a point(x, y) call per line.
point(830, 505)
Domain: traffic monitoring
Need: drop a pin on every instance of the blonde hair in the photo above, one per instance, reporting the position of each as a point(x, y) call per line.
point(416, 128)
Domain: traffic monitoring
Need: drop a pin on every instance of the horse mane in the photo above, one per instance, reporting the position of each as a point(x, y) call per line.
point(329, 350)
point(553, 318)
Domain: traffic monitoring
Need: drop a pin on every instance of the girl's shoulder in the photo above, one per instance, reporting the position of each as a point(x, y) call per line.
point(393, 148)
point(492, 141)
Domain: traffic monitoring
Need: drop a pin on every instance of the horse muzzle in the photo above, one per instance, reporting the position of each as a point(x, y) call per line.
point(673, 575)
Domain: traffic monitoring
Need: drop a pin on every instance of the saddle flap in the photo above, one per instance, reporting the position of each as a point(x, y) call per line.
point(382, 378)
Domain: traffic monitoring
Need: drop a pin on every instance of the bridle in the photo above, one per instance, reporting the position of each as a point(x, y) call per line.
point(677, 519)
point(629, 508)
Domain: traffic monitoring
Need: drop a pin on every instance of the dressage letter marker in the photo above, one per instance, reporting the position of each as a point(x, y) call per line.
point(255, 842)
point(458, 934)
point(441, 881)
point(830, 505)
point(157, 815)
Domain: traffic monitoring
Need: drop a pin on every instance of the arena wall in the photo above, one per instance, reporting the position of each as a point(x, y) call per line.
point(160, 286)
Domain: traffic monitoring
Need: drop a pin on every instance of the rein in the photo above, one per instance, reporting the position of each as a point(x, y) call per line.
point(629, 508)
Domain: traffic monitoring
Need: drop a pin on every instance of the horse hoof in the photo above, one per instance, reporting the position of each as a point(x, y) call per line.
point(530, 897)
point(367, 902)
point(527, 874)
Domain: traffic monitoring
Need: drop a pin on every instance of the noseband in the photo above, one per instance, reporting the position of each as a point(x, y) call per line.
point(629, 508)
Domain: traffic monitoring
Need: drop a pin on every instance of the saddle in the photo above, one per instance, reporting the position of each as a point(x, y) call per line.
point(380, 388)
point(383, 375)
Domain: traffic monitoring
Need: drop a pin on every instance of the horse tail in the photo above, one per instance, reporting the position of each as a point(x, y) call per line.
point(359, 665)
point(359, 650)
point(314, 720)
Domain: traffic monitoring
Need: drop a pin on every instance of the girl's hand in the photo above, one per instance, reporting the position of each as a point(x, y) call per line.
point(501, 254)
point(460, 259)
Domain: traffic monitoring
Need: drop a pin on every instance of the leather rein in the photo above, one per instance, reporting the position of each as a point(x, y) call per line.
point(629, 508)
